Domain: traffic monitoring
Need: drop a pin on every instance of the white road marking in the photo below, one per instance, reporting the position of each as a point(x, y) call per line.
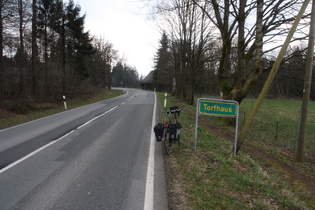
point(149, 188)
point(52, 142)
point(88, 122)
point(33, 153)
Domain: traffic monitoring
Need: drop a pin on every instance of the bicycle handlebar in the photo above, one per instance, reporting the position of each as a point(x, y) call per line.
point(173, 111)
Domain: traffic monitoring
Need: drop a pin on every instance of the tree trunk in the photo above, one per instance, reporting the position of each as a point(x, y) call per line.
point(241, 91)
point(1, 35)
point(224, 86)
point(63, 56)
point(224, 67)
point(34, 49)
point(240, 48)
point(21, 63)
point(46, 54)
point(1, 53)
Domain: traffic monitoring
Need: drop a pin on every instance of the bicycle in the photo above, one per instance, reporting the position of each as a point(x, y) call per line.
point(169, 131)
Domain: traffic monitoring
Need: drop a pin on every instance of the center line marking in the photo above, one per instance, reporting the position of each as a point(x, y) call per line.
point(52, 142)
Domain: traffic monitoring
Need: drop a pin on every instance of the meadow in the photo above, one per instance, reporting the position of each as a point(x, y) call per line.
point(277, 122)
point(263, 175)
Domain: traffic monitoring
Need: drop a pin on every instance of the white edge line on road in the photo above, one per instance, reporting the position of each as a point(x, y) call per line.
point(149, 188)
point(51, 143)
point(33, 153)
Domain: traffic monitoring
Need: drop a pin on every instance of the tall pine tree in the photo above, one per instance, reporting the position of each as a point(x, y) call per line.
point(163, 72)
point(78, 42)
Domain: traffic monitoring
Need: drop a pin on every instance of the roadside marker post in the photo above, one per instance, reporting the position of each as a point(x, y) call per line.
point(64, 101)
point(217, 108)
point(165, 100)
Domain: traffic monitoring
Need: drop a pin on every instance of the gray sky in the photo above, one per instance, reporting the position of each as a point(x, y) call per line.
point(125, 25)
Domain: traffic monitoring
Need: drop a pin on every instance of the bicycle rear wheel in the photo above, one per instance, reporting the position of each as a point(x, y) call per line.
point(167, 143)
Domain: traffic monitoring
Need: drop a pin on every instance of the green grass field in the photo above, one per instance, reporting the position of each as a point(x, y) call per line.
point(277, 122)
point(212, 178)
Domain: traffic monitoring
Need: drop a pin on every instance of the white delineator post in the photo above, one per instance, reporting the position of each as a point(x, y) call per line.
point(165, 100)
point(64, 101)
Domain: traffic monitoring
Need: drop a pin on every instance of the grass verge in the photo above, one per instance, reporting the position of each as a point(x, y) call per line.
point(212, 178)
point(12, 113)
point(281, 119)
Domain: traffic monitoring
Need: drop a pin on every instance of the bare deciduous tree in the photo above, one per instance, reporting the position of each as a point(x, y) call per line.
point(189, 32)
point(105, 58)
point(237, 20)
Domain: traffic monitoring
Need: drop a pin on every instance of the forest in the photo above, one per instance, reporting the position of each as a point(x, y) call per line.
point(46, 53)
point(207, 47)
point(227, 48)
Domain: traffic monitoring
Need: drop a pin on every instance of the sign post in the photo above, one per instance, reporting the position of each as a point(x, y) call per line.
point(217, 108)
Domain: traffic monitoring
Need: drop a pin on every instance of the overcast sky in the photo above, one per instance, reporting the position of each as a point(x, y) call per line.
point(125, 25)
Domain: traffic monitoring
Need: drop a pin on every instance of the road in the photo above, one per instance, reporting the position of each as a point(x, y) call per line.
point(100, 156)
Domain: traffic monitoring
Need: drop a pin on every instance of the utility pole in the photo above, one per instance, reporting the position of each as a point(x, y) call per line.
point(307, 88)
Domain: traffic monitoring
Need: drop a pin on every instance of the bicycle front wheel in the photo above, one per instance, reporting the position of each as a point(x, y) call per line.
point(167, 143)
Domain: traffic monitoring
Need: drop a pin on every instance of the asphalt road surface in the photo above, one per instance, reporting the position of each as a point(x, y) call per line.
point(100, 156)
